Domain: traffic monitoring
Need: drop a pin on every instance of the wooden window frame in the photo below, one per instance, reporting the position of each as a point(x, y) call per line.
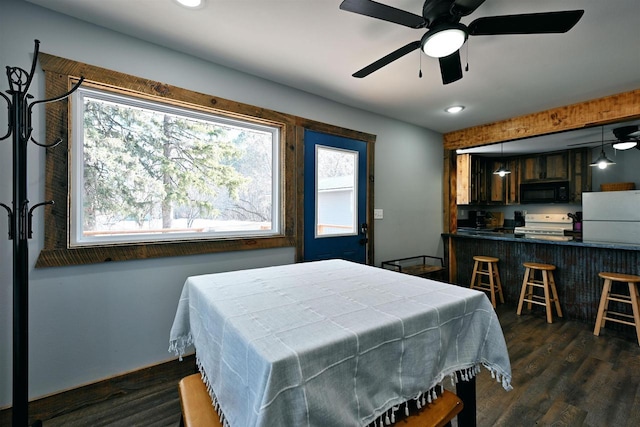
point(60, 75)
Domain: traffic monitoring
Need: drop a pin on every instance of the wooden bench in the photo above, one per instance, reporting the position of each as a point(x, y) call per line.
point(426, 266)
point(198, 411)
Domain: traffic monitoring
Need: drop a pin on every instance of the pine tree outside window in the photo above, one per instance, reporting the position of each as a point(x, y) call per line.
point(150, 172)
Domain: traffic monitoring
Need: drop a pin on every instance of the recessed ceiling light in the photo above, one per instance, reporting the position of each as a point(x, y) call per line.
point(454, 109)
point(191, 4)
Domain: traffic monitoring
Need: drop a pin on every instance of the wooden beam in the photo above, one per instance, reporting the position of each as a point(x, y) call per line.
point(614, 108)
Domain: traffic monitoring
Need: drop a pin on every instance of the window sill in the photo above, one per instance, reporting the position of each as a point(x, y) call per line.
point(94, 255)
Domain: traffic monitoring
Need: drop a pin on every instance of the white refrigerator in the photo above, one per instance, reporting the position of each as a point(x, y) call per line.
point(611, 217)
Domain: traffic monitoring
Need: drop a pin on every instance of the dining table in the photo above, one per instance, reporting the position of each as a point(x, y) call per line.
point(333, 342)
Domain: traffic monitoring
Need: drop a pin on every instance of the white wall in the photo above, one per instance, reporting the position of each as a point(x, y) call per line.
point(92, 322)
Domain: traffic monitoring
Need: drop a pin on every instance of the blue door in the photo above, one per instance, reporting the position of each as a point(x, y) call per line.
point(335, 202)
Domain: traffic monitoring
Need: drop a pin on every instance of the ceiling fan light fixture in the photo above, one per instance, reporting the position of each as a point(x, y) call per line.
point(191, 4)
point(624, 145)
point(443, 41)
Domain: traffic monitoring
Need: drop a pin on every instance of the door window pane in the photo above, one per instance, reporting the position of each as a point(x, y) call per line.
point(336, 201)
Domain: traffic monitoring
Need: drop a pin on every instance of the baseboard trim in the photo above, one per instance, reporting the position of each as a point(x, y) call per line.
point(67, 401)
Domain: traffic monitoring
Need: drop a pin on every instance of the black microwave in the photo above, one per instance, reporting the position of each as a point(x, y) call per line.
point(544, 192)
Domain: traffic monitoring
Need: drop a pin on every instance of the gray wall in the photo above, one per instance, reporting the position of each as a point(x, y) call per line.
point(626, 169)
point(92, 322)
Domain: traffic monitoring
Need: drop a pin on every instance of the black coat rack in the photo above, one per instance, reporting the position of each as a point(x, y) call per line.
point(20, 225)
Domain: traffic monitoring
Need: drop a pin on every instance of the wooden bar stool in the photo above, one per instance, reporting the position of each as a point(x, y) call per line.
point(633, 298)
point(487, 266)
point(548, 285)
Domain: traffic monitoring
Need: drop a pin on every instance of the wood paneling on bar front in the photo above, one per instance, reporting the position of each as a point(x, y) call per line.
point(614, 108)
point(576, 275)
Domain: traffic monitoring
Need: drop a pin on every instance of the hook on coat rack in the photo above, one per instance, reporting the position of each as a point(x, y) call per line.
point(30, 221)
point(10, 215)
point(46, 101)
point(5, 136)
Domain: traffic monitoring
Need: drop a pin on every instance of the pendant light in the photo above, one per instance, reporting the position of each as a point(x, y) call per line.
point(502, 170)
point(602, 161)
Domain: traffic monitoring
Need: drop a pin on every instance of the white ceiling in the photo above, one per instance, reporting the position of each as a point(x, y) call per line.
point(314, 46)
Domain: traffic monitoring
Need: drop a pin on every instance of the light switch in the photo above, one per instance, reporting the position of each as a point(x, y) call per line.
point(377, 214)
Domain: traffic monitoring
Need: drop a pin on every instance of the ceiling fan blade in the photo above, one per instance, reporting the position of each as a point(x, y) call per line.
point(605, 142)
point(397, 54)
point(384, 12)
point(465, 7)
point(623, 132)
point(528, 23)
point(450, 68)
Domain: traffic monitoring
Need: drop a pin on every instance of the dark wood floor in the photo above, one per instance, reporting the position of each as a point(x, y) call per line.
point(563, 375)
point(157, 406)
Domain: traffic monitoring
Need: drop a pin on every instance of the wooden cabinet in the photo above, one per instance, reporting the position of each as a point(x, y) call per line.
point(479, 167)
point(512, 182)
point(477, 185)
point(471, 187)
point(545, 167)
point(463, 179)
point(579, 173)
point(496, 186)
point(504, 190)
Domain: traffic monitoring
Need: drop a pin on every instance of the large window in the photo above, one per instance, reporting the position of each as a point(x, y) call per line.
point(146, 171)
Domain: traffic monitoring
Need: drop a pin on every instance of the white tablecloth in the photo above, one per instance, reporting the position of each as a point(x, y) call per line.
point(331, 343)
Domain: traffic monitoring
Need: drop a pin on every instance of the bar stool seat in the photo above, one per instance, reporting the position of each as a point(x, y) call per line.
point(633, 299)
point(487, 266)
point(548, 285)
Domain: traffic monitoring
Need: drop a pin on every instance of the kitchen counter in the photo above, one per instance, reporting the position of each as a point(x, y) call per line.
point(577, 266)
point(508, 234)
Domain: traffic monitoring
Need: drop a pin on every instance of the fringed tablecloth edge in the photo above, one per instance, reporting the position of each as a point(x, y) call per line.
point(386, 417)
point(179, 345)
point(466, 373)
point(214, 399)
point(499, 375)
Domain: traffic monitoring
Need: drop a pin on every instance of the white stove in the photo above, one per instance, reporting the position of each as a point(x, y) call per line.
point(546, 227)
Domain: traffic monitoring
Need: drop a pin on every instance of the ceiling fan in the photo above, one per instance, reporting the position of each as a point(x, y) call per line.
point(446, 34)
point(626, 137)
